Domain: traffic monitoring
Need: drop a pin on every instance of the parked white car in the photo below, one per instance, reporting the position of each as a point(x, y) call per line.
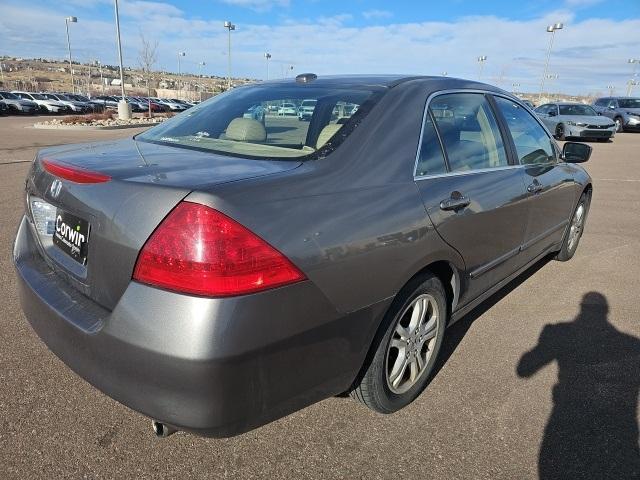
point(74, 105)
point(45, 104)
point(288, 109)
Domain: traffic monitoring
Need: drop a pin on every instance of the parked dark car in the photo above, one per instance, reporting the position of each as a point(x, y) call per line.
point(216, 273)
point(624, 111)
point(94, 107)
point(107, 101)
point(575, 120)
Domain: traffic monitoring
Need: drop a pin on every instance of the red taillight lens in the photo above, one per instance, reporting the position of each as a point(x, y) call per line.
point(72, 173)
point(201, 251)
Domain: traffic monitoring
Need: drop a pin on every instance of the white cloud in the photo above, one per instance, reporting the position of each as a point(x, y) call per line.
point(588, 55)
point(376, 14)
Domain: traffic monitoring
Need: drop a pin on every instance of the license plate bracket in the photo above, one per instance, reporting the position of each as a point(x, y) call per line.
point(71, 235)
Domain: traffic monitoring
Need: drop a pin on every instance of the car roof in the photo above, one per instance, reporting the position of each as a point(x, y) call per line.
point(389, 81)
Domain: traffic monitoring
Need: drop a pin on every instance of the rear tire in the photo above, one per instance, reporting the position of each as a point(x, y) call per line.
point(406, 347)
point(574, 231)
point(560, 132)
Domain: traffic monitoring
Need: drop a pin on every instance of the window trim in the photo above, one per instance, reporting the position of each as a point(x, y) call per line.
point(509, 140)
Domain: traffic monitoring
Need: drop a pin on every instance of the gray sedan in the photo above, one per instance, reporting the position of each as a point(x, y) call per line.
point(217, 272)
point(568, 120)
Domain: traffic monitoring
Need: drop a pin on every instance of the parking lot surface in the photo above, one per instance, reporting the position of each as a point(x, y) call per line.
point(508, 402)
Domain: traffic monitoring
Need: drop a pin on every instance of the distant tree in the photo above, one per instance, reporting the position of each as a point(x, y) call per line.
point(147, 58)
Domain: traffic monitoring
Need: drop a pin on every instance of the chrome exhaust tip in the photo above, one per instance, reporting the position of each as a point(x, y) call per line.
point(162, 430)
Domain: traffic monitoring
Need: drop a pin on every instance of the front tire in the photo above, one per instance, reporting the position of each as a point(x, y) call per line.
point(575, 229)
point(407, 347)
point(619, 124)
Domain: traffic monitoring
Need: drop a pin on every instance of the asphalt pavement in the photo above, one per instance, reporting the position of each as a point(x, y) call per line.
point(535, 380)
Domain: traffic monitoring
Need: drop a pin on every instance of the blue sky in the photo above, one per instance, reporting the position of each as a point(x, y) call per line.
point(357, 36)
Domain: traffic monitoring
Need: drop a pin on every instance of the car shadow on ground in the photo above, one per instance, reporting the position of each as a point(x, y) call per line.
point(592, 432)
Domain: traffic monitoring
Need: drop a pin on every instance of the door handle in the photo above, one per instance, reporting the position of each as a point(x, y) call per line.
point(535, 187)
point(455, 202)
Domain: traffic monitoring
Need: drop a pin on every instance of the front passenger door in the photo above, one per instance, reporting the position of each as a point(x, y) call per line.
point(550, 190)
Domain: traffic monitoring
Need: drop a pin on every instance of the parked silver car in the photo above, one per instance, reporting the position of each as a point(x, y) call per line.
point(566, 120)
point(18, 105)
point(45, 104)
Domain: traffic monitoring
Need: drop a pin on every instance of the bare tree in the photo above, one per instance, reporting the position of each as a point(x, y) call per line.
point(147, 58)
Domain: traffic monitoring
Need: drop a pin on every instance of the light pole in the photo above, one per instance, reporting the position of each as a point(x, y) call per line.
point(200, 66)
point(180, 54)
point(66, 23)
point(229, 26)
point(552, 30)
point(514, 87)
point(481, 60)
point(610, 88)
point(290, 69)
point(124, 109)
point(550, 77)
point(444, 74)
point(632, 82)
point(101, 78)
point(268, 57)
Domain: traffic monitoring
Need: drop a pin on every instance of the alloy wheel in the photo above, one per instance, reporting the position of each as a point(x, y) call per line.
point(575, 230)
point(412, 343)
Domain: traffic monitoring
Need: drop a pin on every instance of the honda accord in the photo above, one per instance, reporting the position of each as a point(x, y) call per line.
point(218, 272)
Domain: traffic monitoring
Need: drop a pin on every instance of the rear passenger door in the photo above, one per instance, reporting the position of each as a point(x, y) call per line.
point(550, 188)
point(472, 194)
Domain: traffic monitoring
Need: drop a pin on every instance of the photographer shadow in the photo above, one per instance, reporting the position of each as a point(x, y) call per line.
point(593, 429)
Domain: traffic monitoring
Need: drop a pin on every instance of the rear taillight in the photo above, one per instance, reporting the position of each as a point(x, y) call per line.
point(198, 250)
point(73, 173)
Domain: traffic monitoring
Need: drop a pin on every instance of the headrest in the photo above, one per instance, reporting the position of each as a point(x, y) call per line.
point(246, 130)
point(326, 133)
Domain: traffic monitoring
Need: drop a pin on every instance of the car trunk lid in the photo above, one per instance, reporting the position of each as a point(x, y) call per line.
point(145, 182)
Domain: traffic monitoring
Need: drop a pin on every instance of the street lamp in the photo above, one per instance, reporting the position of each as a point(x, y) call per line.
point(66, 23)
point(552, 30)
point(481, 60)
point(550, 77)
point(229, 26)
point(124, 109)
point(632, 82)
point(180, 54)
point(268, 57)
point(610, 88)
point(444, 74)
point(514, 87)
point(200, 66)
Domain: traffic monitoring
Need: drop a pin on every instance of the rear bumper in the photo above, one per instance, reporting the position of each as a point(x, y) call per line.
point(216, 367)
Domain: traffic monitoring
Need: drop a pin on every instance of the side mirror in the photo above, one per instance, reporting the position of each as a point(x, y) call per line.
point(574, 152)
point(612, 107)
point(552, 113)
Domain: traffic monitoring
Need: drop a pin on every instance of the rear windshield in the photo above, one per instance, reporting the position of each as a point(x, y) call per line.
point(262, 121)
point(577, 110)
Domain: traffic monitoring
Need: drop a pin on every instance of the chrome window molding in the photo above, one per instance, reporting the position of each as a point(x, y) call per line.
point(479, 170)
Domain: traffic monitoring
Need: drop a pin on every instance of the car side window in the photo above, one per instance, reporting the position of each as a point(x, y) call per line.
point(612, 104)
point(431, 158)
point(469, 131)
point(601, 102)
point(533, 144)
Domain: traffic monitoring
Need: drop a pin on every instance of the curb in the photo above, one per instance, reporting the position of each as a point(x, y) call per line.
point(93, 127)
